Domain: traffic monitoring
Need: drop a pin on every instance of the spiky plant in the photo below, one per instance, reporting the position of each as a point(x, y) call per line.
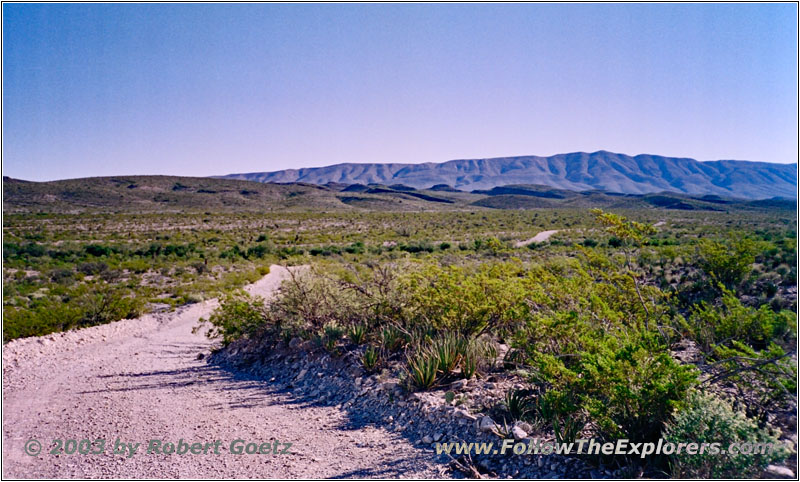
point(519, 404)
point(357, 334)
point(371, 358)
point(422, 368)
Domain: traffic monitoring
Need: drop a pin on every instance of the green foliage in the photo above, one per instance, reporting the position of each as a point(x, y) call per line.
point(562, 411)
point(708, 419)
point(764, 379)
point(371, 358)
point(357, 333)
point(623, 228)
point(332, 333)
point(422, 366)
point(238, 315)
point(471, 361)
point(710, 325)
point(393, 339)
point(469, 302)
point(519, 404)
point(449, 350)
point(728, 262)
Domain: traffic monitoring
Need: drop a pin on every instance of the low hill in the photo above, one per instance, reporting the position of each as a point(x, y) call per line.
point(178, 194)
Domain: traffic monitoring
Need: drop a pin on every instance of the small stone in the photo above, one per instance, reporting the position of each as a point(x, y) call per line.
point(779, 471)
point(526, 427)
point(486, 424)
point(438, 437)
point(301, 374)
point(427, 439)
point(518, 433)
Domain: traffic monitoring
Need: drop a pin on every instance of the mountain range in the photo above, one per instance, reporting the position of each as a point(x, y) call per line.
point(577, 171)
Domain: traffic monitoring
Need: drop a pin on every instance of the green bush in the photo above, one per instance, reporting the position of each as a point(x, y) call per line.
point(728, 262)
point(708, 419)
point(709, 324)
point(239, 315)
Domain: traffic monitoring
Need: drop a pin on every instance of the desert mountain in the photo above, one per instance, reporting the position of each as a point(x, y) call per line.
point(578, 171)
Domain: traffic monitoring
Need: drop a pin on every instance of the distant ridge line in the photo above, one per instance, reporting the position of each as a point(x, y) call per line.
point(577, 171)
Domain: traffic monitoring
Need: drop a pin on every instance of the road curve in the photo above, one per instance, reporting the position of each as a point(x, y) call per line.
point(141, 380)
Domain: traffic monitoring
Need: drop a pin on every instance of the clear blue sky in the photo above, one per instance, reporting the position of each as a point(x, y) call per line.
point(213, 89)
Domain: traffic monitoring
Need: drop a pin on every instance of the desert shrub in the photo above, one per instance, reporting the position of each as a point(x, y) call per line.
point(464, 301)
point(472, 360)
point(708, 419)
point(560, 410)
point(729, 262)
point(179, 250)
point(98, 250)
point(449, 350)
point(239, 315)
point(393, 339)
point(764, 379)
point(731, 320)
point(355, 248)
point(257, 251)
point(81, 307)
point(332, 333)
point(92, 268)
point(107, 304)
point(62, 275)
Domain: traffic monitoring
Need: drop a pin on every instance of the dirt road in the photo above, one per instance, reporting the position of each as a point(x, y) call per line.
point(139, 380)
point(539, 238)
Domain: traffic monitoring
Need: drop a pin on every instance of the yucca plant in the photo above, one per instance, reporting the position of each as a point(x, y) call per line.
point(357, 334)
point(519, 404)
point(332, 334)
point(422, 368)
point(371, 358)
point(333, 331)
point(449, 349)
point(392, 339)
point(469, 362)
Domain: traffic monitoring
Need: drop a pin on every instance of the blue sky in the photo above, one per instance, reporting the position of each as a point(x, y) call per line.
point(208, 89)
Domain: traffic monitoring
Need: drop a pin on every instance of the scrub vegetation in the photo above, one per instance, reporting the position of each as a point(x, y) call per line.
point(632, 323)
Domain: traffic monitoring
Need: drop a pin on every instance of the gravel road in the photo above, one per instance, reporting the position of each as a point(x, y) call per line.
point(539, 238)
point(138, 380)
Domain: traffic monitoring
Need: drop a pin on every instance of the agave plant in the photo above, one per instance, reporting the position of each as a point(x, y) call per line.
point(357, 333)
point(392, 339)
point(519, 404)
point(449, 350)
point(422, 368)
point(371, 358)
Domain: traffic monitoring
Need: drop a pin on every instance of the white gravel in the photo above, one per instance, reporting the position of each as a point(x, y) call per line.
point(141, 379)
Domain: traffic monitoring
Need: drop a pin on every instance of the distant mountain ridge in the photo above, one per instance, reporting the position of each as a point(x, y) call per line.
point(578, 171)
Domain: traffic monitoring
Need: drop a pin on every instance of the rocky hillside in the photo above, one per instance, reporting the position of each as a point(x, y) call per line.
point(577, 171)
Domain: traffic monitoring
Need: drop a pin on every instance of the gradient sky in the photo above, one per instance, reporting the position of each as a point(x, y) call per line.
point(208, 89)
